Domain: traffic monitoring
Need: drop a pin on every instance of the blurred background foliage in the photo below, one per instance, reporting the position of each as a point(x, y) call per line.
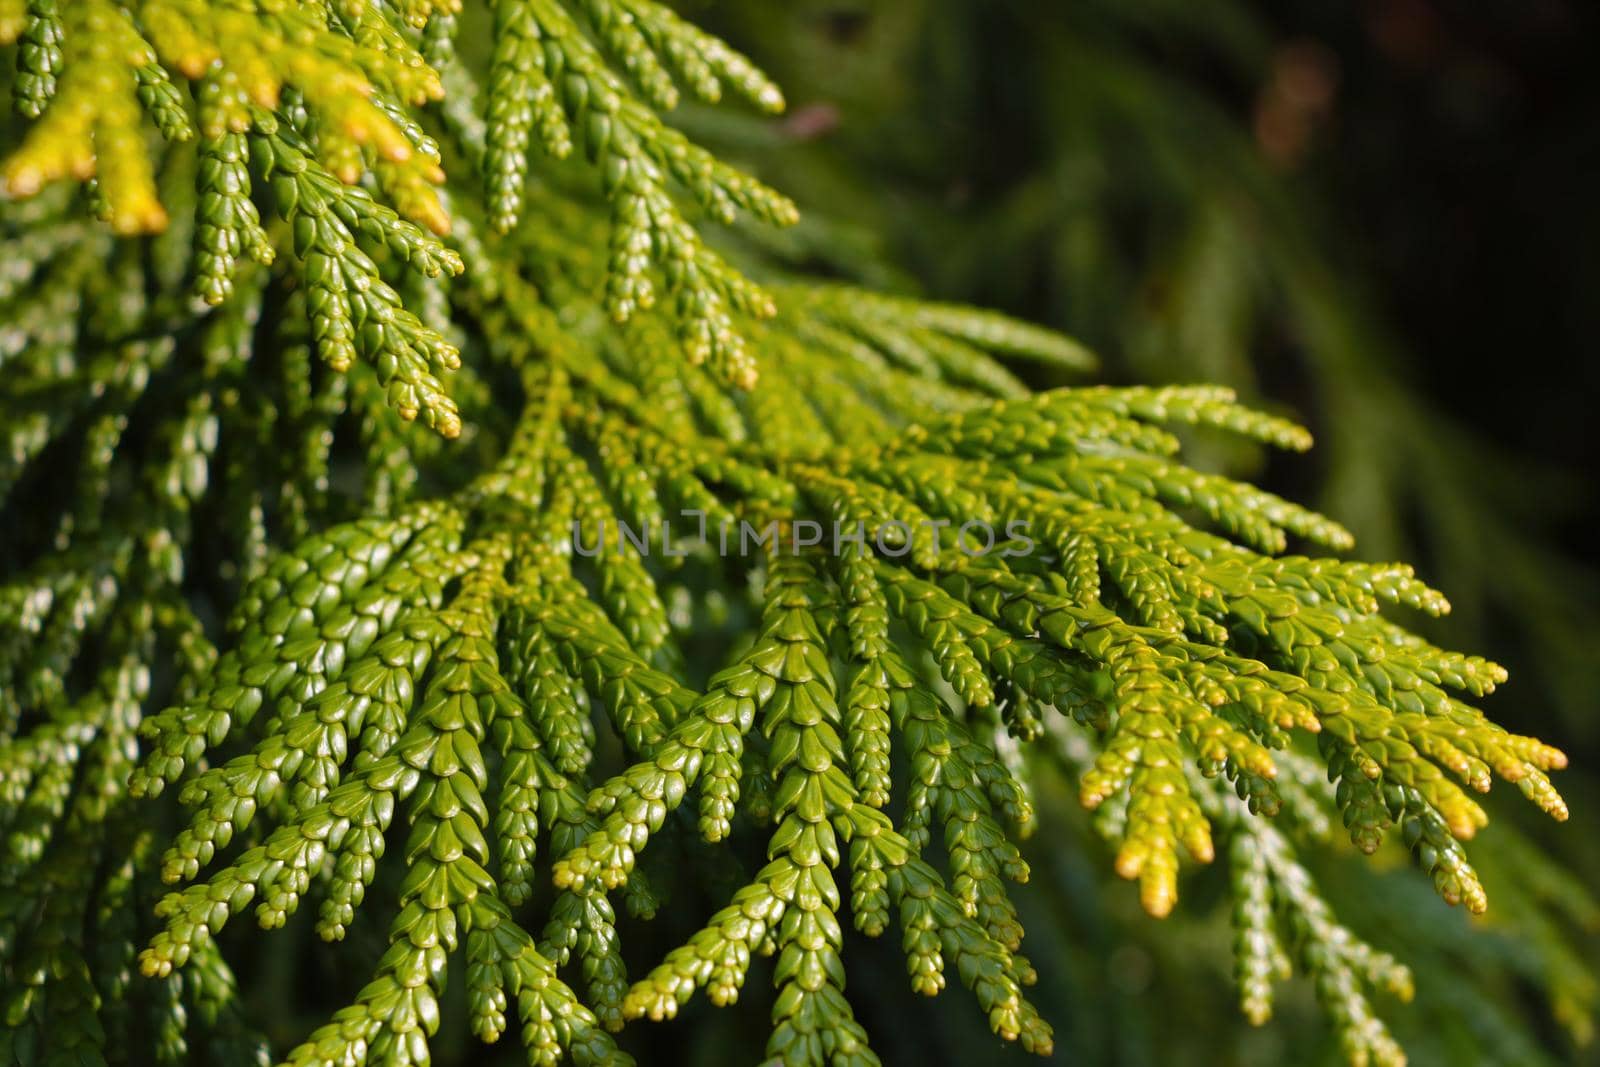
point(1377, 216)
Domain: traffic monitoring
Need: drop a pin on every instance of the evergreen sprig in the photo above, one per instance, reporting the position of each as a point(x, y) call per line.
point(473, 650)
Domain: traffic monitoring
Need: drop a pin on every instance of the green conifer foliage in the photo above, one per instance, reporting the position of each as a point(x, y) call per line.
point(384, 671)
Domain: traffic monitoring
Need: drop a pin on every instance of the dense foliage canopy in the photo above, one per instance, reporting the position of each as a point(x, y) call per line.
point(265, 639)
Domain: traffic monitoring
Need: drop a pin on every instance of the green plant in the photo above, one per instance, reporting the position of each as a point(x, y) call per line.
point(424, 649)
